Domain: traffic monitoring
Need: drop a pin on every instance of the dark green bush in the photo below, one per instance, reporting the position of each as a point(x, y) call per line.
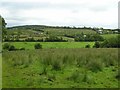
point(37, 46)
point(12, 48)
point(9, 47)
point(56, 65)
point(113, 42)
point(96, 45)
point(6, 46)
point(87, 46)
point(22, 48)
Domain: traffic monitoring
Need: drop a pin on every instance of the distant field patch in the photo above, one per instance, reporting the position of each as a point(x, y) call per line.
point(30, 45)
point(107, 36)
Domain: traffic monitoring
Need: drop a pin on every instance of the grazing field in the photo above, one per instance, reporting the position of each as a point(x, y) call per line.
point(62, 32)
point(61, 68)
point(50, 31)
point(107, 36)
point(30, 45)
point(40, 32)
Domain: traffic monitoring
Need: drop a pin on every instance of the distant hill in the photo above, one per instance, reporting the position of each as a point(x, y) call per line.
point(44, 26)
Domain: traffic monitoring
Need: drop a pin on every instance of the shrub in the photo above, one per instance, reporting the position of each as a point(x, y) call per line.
point(87, 46)
point(56, 65)
point(37, 46)
point(9, 47)
point(95, 65)
point(22, 48)
point(96, 45)
point(113, 42)
point(12, 48)
point(6, 46)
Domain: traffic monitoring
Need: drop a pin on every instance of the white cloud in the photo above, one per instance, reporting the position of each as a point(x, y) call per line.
point(99, 13)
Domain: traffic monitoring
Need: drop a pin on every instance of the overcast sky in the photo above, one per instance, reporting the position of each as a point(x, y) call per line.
point(91, 13)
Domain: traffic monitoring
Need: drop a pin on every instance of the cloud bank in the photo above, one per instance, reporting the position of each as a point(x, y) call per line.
point(93, 13)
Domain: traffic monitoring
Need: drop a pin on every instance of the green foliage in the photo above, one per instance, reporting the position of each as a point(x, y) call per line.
point(88, 37)
point(22, 48)
point(54, 39)
point(4, 31)
point(87, 46)
point(30, 39)
point(95, 65)
point(37, 46)
point(97, 44)
point(6, 46)
point(9, 47)
point(76, 76)
point(56, 64)
point(112, 42)
point(12, 48)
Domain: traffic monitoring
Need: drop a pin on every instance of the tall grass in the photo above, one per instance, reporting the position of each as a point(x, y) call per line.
point(92, 59)
point(38, 68)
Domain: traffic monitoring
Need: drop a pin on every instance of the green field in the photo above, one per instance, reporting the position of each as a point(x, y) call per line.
point(50, 31)
point(30, 45)
point(107, 36)
point(41, 32)
point(61, 68)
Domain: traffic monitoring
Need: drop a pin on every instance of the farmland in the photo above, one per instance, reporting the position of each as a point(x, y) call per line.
point(107, 36)
point(61, 68)
point(59, 57)
point(30, 45)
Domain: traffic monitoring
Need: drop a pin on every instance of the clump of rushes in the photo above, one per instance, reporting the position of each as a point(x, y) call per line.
point(76, 76)
point(95, 65)
point(56, 65)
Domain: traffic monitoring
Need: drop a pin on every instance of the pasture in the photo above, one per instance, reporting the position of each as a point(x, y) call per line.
point(44, 32)
point(107, 36)
point(30, 45)
point(61, 68)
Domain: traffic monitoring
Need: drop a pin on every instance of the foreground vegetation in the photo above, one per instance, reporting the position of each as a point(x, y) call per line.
point(60, 68)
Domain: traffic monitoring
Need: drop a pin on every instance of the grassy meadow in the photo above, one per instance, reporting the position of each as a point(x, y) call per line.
point(61, 68)
point(107, 36)
point(30, 45)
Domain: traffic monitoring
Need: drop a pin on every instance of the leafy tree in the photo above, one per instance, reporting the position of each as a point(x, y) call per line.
point(113, 42)
point(4, 32)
